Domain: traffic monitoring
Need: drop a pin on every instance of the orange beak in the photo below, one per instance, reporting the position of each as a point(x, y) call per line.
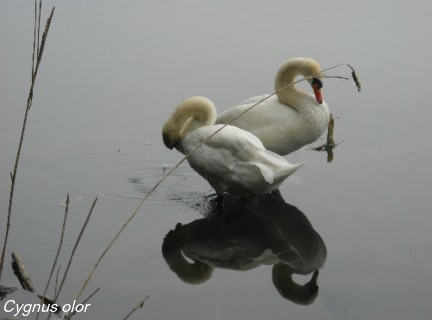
point(317, 92)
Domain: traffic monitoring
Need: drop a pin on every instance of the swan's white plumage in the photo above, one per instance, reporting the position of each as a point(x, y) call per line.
point(289, 120)
point(233, 161)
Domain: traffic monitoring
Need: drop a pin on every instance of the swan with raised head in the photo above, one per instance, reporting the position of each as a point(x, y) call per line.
point(290, 119)
point(233, 160)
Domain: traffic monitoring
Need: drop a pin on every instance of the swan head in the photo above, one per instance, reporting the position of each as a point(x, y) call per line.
point(316, 85)
point(170, 140)
point(301, 294)
point(193, 273)
point(189, 115)
point(305, 67)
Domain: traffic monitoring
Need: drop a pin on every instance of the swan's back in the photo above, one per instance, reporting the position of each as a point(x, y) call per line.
point(235, 161)
point(281, 129)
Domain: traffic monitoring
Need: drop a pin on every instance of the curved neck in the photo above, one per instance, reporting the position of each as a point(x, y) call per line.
point(287, 75)
point(193, 273)
point(284, 283)
point(194, 113)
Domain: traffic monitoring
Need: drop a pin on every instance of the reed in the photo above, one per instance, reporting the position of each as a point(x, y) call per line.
point(138, 306)
point(58, 251)
point(330, 144)
point(75, 248)
point(38, 48)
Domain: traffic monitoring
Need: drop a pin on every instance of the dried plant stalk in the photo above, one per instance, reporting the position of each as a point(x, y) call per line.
point(58, 251)
point(330, 144)
point(355, 78)
point(37, 58)
point(138, 306)
point(74, 249)
point(330, 141)
point(21, 272)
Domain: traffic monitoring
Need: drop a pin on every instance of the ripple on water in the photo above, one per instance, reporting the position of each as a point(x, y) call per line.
point(120, 172)
point(131, 179)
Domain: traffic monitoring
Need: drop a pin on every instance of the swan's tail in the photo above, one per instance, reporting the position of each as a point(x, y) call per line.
point(289, 170)
point(275, 176)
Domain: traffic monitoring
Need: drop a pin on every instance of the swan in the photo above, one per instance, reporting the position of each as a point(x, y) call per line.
point(269, 232)
point(233, 161)
point(290, 119)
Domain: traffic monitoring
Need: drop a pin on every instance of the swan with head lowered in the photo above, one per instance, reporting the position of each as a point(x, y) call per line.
point(290, 119)
point(233, 160)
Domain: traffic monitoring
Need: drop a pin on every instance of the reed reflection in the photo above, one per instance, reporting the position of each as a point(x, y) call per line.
point(268, 231)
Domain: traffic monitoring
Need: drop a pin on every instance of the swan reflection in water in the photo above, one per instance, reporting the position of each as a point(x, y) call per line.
point(269, 232)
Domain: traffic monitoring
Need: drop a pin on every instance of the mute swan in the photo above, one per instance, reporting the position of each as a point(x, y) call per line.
point(270, 232)
point(233, 161)
point(291, 119)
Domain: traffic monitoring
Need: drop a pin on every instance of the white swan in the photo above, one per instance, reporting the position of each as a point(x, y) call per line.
point(233, 161)
point(291, 119)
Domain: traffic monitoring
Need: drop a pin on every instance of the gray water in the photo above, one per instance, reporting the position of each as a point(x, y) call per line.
point(111, 74)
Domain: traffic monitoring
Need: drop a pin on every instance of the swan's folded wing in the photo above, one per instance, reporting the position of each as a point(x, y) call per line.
point(254, 99)
point(242, 144)
point(235, 160)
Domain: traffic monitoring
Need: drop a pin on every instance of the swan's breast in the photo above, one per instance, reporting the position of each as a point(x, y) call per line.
point(316, 119)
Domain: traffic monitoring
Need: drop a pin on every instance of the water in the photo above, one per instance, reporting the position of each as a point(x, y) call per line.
point(110, 76)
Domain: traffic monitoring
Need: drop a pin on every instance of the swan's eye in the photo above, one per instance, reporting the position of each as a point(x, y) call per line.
point(317, 82)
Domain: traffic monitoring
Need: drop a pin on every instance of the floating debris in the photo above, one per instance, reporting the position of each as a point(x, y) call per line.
point(355, 78)
point(135, 180)
point(165, 166)
point(330, 144)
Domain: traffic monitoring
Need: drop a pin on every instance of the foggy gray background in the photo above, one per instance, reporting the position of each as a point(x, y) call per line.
point(111, 74)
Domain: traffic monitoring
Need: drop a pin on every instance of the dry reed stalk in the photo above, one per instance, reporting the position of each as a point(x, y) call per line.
point(141, 203)
point(58, 250)
point(38, 48)
point(21, 272)
point(56, 281)
point(138, 306)
point(90, 296)
point(330, 141)
point(330, 144)
point(75, 248)
point(355, 78)
point(86, 300)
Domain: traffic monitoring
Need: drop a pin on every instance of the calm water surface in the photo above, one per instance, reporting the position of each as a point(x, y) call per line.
point(111, 74)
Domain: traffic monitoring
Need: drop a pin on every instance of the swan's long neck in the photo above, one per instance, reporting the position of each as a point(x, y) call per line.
point(284, 283)
point(193, 273)
point(193, 113)
point(287, 75)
